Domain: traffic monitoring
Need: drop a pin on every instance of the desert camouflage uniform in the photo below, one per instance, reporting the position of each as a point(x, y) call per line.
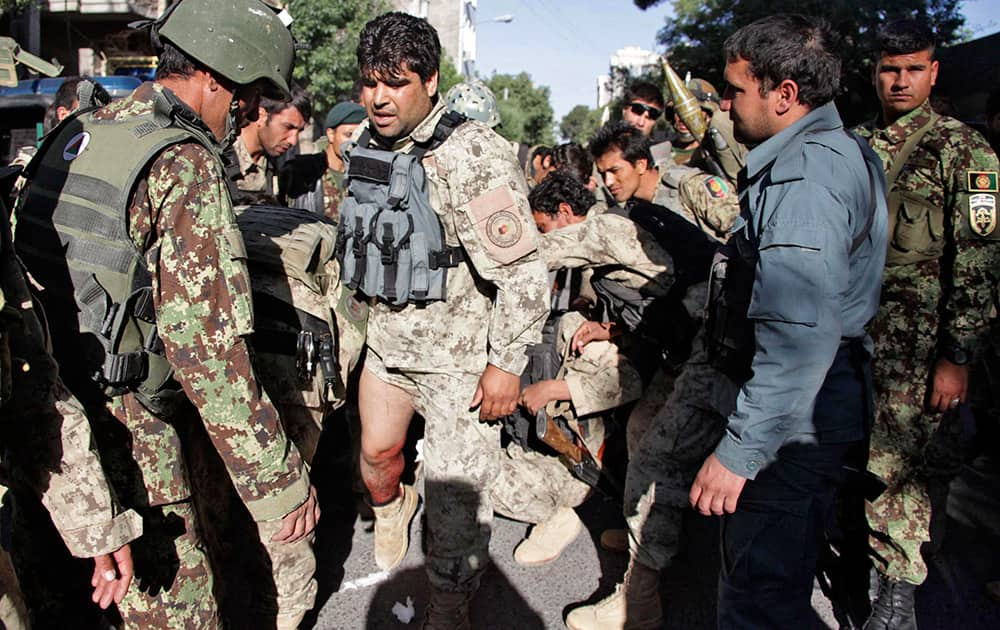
point(255, 176)
point(532, 486)
point(437, 352)
point(636, 261)
point(708, 201)
point(48, 450)
point(181, 219)
point(943, 299)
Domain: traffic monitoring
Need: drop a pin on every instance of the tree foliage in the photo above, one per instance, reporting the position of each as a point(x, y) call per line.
point(328, 30)
point(579, 124)
point(695, 34)
point(448, 75)
point(524, 108)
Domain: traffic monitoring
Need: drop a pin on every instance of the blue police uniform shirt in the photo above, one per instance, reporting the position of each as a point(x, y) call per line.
point(805, 195)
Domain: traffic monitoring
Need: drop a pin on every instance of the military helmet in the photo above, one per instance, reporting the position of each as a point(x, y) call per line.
point(242, 40)
point(704, 91)
point(474, 100)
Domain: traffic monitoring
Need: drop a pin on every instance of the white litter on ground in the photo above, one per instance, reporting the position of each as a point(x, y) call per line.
point(364, 582)
point(404, 613)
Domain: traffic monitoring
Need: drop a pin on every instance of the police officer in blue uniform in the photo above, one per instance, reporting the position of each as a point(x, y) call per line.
point(802, 280)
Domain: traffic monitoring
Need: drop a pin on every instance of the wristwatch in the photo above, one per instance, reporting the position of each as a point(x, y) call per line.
point(955, 354)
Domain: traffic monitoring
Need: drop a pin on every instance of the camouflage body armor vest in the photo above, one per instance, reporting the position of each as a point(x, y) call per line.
point(390, 242)
point(73, 236)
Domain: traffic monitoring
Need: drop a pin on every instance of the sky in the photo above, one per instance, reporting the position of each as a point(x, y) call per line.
point(566, 44)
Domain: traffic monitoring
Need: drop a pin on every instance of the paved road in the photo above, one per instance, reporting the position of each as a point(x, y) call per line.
point(354, 594)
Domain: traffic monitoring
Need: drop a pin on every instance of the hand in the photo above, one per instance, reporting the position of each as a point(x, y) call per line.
point(113, 574)
point(497, 393)
point(950, 382)
point(590, 331)
point(716, 489)
point(300, 522)
point(537, 395)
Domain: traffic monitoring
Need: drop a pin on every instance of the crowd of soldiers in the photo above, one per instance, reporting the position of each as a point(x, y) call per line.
point(751, 307)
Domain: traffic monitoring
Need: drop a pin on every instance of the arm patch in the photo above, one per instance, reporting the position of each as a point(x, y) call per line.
point(505, 234)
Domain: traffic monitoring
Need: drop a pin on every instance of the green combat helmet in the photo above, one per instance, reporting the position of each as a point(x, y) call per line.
point(11, 55)
point(474, 100)
point(242, 40)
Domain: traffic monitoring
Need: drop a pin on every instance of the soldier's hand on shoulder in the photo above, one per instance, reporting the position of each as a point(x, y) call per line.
point(497, 393)
point(591, 331)
point(301, 521)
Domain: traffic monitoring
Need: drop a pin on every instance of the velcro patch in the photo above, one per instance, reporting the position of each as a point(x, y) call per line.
point(506, 235)
point(716, 186)
point(983, 213)
point(982, 181)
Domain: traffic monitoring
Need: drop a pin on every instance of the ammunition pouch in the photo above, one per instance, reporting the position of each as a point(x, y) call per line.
point(730, 342)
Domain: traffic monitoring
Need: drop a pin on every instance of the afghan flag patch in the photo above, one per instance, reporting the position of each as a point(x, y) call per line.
point(982, 181)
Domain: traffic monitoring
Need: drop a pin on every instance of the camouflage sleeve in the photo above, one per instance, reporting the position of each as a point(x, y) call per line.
point(610, 240)
point(600, 378)
point(49, 445)
point(201, 292)
point(967, 298)
point(712, 200)
point(494, 224)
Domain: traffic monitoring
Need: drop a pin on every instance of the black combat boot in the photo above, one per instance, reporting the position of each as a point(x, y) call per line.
point(893, 608)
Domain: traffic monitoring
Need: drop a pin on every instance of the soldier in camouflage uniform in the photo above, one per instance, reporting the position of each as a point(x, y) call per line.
point(179, 228)
point(533, 486)
point(49, 460)
point(941, 270)
point(678, 420)
point(456, 361)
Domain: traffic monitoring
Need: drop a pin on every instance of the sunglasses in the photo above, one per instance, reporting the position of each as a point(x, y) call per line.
point(639, 109)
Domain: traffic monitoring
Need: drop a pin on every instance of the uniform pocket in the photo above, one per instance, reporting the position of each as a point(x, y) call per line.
point(919, 230)
point(789, 266)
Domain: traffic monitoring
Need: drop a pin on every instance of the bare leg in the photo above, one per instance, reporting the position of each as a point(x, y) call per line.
point(386, 411)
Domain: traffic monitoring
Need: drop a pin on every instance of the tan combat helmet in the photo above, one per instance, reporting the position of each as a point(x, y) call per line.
point(475, 101)
point(11, 55)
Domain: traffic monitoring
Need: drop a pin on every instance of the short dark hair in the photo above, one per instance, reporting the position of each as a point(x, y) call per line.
point(624, 137)
point(394, 41)
point(573, 159)
point(643, 90)
point(65, 97)
point(300, 100)
point(559, 188)
point(789, 47)
point(172, 62)
point(904, 37)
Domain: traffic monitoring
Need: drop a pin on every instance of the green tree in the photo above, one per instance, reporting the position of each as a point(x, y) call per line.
point(694, 35)
point(579, 124)
point(525, 109)
point(448, 75)
point(328, 30)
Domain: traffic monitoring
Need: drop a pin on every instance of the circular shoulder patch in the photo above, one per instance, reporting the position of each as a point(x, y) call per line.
point(76, 145)
point(503, 229)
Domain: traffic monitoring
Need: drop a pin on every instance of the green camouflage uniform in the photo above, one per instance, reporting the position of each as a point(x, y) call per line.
point(532, 486)
point(334, 192)
point(437, 352)
point(181, 219)
point(708, 201)
point(947, 221)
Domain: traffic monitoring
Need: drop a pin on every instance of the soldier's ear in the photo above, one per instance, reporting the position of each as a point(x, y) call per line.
point(934, 72)
point(431, 85)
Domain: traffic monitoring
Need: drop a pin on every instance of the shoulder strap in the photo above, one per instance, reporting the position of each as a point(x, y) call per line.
point(908, 148)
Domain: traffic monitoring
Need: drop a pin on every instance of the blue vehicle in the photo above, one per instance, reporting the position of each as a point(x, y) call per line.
point(22, 108)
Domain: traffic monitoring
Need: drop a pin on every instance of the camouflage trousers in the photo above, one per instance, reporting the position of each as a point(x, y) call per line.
point(654, 396)
point(531, 486)
point(914, 452)
point(461, 461)
point(685, 430)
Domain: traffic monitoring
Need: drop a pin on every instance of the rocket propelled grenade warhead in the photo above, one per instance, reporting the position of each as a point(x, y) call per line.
point(685, 104)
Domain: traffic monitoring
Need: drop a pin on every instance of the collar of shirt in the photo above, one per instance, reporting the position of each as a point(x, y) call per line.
point(247, 164)
point(782, 149)
point(904, 127)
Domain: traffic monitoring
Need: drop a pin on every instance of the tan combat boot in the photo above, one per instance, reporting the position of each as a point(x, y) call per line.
point(635, 605)
point(548, 539)
point(447, 611)
point(392, 528)
point(615, 540)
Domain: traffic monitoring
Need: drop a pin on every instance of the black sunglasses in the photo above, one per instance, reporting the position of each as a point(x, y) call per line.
point(639, 109)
